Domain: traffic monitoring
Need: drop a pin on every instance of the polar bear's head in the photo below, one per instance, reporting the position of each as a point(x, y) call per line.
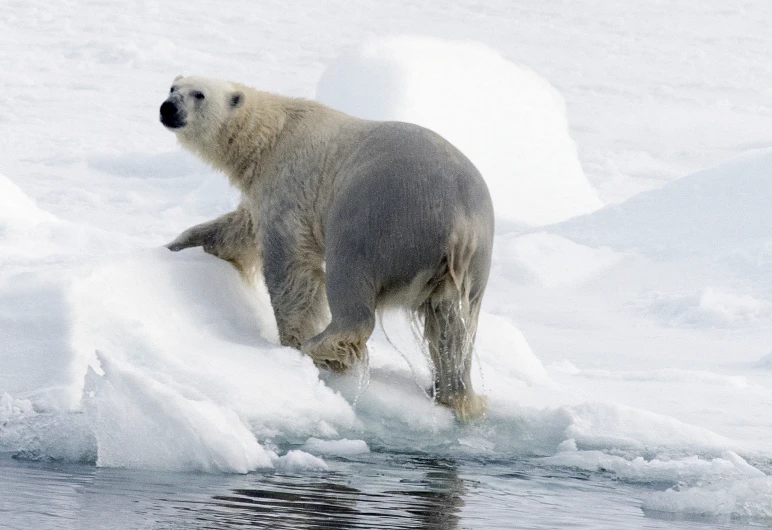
point(197, 107)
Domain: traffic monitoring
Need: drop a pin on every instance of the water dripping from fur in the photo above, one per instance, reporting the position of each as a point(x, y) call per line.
point(417, 334)
point(363, 378)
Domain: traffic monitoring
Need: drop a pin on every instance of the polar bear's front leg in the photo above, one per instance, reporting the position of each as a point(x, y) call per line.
point(296, 282)
point(230, 237)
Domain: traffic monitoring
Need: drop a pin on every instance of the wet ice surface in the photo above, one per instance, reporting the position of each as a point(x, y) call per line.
point(377, 490)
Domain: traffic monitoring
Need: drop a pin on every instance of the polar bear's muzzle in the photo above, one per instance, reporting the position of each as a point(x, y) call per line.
point(172, 116)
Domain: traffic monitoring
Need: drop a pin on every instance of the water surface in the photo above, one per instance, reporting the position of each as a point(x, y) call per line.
point(375, 490)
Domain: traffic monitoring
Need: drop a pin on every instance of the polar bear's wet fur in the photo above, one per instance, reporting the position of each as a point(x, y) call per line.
point(343, 217)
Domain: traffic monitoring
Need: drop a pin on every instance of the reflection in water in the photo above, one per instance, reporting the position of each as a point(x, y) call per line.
point(438, 503)
point(290, 504)
point(430, 498)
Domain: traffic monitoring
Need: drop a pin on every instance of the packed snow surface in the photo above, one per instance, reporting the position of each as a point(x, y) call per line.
point(632, 339)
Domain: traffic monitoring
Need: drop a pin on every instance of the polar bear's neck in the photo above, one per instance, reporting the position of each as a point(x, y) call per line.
point(246, 140)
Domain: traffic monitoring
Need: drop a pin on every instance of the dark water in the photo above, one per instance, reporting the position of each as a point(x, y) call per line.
point(372, 491)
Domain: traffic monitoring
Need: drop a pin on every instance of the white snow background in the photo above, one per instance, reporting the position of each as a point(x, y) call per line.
point(627, 326)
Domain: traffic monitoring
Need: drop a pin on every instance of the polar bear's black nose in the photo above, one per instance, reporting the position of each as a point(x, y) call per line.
point(171, 115)
point(168, 109)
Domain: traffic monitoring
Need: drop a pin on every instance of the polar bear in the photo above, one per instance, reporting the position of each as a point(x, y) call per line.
point(343, 217)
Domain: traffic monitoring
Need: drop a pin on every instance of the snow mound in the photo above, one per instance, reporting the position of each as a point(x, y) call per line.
point(610, 425)
point(725, 486)
point(688, 470)
point(26, 231)
point(740, 499)
point(508, 120)
point(720, 208)
point(189, 344)
point(549, 259)
point(16, 208)
point(141, 422)
point(10, 407)
point(31, 237)
point(296, 460)
point(35, 354)
point(504, 351)
point(711, 307)
point(191, 378)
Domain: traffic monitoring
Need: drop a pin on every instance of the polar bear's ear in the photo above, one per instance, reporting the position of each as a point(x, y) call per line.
point(236, 99)
point(179, 77)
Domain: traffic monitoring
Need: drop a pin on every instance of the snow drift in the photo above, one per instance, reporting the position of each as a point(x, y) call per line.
point(715, 210)
point(509, 121)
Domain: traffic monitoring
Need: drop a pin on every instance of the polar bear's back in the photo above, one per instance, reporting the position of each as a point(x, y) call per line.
point(410, 198)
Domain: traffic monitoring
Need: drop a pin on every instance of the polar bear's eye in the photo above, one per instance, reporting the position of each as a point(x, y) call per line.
point(198, 95)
